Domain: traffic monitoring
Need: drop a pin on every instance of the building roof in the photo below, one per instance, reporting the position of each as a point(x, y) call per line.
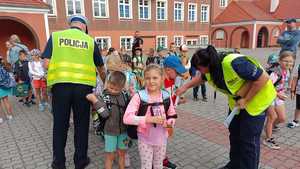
point(238, 11)
point(24, 3)
point(287, 9)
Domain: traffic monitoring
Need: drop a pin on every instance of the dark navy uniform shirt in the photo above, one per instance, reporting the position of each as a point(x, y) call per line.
point(49, 47)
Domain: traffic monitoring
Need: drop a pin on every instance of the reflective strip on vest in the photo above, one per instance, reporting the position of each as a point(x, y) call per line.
point(260, 102)
point(72, 59)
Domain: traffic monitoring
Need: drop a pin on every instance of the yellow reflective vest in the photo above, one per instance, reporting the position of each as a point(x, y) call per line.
point(72, 59)
point(260, 102)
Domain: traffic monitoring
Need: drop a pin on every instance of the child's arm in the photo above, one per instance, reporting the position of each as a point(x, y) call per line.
point(131, 118)
point(99, 105)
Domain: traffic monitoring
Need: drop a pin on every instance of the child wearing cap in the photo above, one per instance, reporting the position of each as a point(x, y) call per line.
point(37, 71)
point(174, 72)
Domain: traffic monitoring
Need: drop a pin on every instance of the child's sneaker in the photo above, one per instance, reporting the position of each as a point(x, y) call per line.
point(168, 164)
point(9, 117)
point(271, 143)
point(1, 120)
point(41, 107)
point(293, 124)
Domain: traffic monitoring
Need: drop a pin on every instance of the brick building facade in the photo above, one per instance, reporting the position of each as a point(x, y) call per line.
point(252, 23)
point(223, 23)
point(160, 22)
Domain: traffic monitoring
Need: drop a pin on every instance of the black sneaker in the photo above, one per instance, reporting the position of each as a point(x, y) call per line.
point(204, 99)
point(83, 164)
point(195, 98)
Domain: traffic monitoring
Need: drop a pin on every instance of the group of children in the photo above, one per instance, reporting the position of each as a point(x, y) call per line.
point(27, 79)
point(280, 68)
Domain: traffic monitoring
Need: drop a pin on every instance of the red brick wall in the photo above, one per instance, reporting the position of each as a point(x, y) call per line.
point(114, 27)
point(29, 27)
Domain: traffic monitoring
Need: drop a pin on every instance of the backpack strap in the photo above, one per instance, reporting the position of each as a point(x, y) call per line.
point(167, 103)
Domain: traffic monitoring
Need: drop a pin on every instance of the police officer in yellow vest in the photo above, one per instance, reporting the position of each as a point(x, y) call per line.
point(248, 87)
point(72, 58)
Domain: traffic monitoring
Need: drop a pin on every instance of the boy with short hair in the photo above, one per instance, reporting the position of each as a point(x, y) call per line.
point(21, 72)
point(111, 106)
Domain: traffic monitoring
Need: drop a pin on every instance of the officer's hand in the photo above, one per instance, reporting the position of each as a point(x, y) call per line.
point(92, 98)
point(242, 103)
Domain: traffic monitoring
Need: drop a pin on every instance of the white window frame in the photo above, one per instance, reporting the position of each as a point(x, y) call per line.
point(223, 3)
point(74, 12)
point(182, 40)
point(53, 8)
point(166, 10)
point(166, 42)
point(143, 6)
point(200, 40)
point(181, 11)
point(131, 42)
point(106, 8)
point(207, 13)
point(197, 41)
point(104, 37)
point(130, 10)
point(220, 36)
point(196, 14)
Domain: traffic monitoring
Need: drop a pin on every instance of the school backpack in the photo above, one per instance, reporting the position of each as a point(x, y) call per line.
point(100, 121)
point(143, 107)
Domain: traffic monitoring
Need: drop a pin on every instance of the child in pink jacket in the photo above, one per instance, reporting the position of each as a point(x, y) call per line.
point(152, 128)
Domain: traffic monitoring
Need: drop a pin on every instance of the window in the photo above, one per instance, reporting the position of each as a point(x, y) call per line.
point(220, 34)
point(192, 42)
point(223, 3)
point(100, 8)
point(276, 32)
point(178, 11)
point(75, 7)
point(52, 4)
point(161, 10)
point(162, 41)
point(103, 42)
point(145, 9)
point(204, 13)
point(126, 42)
point(125, 9)
point(192, 14)
point(178, 40)
point(203, 40)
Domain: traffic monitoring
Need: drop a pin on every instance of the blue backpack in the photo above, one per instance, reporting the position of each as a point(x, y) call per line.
point(143, 107)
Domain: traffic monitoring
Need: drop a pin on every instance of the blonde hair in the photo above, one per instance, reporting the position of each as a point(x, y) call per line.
point(154, 67)
point(115, 63)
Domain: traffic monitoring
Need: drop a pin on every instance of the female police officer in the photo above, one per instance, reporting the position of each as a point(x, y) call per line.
point(248, 87)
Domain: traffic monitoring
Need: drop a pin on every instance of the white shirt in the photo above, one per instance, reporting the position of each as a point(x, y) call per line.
point(36, 69)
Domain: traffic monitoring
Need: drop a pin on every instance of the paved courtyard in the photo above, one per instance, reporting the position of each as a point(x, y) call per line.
point(200, 140)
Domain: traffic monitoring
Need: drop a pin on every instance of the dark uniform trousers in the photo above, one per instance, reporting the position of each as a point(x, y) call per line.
point(245, 131)
point(64, 97)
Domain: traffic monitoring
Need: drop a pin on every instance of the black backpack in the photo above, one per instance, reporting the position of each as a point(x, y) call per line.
point(107, 100)
point(143, 107)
